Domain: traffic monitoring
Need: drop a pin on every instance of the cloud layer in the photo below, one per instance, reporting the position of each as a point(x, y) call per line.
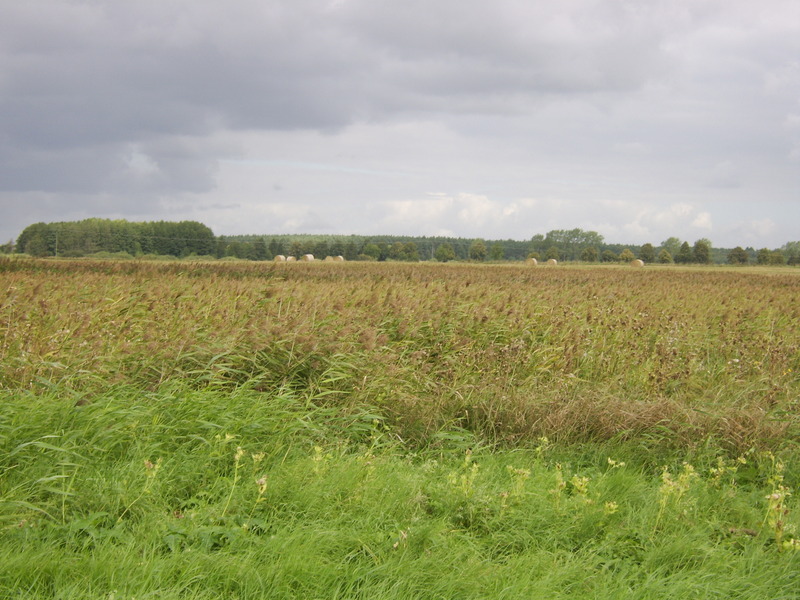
point(641, 120)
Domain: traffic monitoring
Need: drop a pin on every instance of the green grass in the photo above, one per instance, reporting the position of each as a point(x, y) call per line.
point(181, 493)
point(394, 431)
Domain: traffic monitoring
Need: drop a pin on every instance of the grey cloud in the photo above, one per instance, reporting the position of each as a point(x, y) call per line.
point(100, 73)
point(107, 168)
point(130, 99)
point(500, 57)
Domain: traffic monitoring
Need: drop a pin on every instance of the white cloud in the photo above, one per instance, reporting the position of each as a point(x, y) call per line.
point(476, 210)
point(652, 217)
point(753, 232)
point(140, 164)
point(762, 227)
point(702, 221)
point(635, 231)
point(416, 210)
point(680, 210)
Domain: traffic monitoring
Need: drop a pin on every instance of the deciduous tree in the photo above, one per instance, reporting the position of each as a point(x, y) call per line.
point(590, 254)
point(738, 256)
point(444, 252)
point(671, 245)
point(684, 254)
point(647, 253)
point(609, 256)
point(701, 253)
point(496, 252)
point(664, 257)
point(477, 250)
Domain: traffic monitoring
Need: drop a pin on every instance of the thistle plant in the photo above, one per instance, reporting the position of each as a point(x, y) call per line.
point(560, 485)
point(151, 469)
point(542, 447)
point(518, 479)
point(673, 490)
point(464, 480)
point(580, 488)
point(237, 458)
point(261, 482)
point(777, 511)
point(723, 469)
point(320, 458)
point(615, 464)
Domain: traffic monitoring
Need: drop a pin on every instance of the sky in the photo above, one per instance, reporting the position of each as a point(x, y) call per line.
point(500, 119)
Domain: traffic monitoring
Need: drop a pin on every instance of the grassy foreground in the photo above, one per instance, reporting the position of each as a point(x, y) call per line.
point(392, 431)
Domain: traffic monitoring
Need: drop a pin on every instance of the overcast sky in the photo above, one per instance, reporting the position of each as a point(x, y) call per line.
point(639, 119)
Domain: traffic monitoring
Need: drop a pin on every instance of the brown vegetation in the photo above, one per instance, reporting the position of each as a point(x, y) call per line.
point(507, 351)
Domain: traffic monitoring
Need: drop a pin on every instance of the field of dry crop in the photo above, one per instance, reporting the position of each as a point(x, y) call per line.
point(512, 353)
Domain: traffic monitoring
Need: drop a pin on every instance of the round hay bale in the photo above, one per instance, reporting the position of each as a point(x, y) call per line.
point(307, 258)
point(279, 258)
point(338, 258)
point(290, 259)
point(329, 259)
point(552, 262)
point(532, 261)
point(637, 263)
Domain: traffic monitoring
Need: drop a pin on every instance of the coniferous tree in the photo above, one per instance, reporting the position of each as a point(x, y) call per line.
point(260, 250)
point(350, 251)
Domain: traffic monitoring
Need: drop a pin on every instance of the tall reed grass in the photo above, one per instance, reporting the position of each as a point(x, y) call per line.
point(507, 352)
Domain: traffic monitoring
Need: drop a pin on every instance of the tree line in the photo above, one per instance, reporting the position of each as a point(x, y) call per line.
point(92, 237)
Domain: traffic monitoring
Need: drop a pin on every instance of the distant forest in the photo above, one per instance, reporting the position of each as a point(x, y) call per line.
point(190, 239)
